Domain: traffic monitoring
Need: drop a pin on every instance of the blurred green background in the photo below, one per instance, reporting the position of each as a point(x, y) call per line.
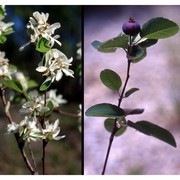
point(63, 156)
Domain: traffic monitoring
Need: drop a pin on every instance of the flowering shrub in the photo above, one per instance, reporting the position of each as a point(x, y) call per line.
point(40, 103)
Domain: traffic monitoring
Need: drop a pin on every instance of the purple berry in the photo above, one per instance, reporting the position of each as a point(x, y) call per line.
point(131, 27)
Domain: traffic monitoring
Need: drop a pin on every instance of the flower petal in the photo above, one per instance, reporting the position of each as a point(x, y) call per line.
point(59, 75)
point(68, 72)
point(41, 69)
point(56, 123)
point(59, 137)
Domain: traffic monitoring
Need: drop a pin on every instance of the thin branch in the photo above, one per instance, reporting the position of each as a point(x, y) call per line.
point(33, 158)
point(44, 143)
point(115, 129)
point(44, 155)
point(128, 72)
point(8, 115)
point(66, 113)
point(25, 158)
point(127, 78)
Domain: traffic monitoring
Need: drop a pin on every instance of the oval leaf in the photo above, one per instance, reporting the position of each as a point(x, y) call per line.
point(117, 42)
point(104, 110)
point(45, 85)
point(109, 123)
point(42, 45)
point(112, 44)
point(2, 39)
point(141, 57)
point(110, 79)
point(13, 84)
point(8, 31)
point(32, 84)
point(159, 28)
point(130, 91)
point(148, 43)
point(133, 111)
point(138, 127)
point(156, 131)
point(2, 11)
point(96, 44)
point(50, 105)
point(136, 53)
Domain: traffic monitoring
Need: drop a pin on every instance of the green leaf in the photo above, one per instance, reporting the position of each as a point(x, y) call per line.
point(104, 110)
point(154, 130)
point(109, 124)
point(133, 111)
point(16, 99)
point(130, 91)
point(117, 42)
point(159, 28)
point(135, 53)
point(136, 60)
point(110, 79)
point(42, 45)
point(45, 85)
point(25, 95)
point(2, 39)
point(12, 67)
point(112, 44)
point(32, 84)
point(138, 127)
point(96, 44)
point(50, 105)
point(2, 12)
point(148, 43)
point(8, 31)
point(13, 84)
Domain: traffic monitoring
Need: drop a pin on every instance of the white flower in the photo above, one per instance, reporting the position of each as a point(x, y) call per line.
point(52, 40)
point(4, 27)
point(39, 27)
point(56, 63)
point(51, 131)
point(26, 129)
point(49, 71)
point(5, 72)
point(12, 128)
point(35, 105)
point(22, 79)
point(3, 60)
point(56, 100)
point(39, 19)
